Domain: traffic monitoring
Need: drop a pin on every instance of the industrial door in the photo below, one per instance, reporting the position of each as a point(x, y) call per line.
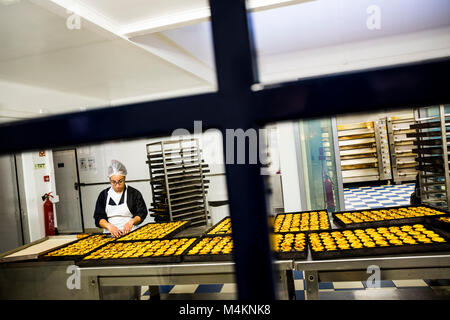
point(10, 226)
point(68, 209)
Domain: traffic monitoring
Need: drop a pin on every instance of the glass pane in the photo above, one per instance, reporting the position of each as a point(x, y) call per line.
point(308, 38)
point(319, 165)
point(65, 56)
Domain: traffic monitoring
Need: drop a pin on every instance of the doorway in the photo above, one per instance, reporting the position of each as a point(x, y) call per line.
point(68, 209)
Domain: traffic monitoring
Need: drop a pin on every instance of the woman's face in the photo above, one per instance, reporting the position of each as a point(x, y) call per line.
point(117, 183)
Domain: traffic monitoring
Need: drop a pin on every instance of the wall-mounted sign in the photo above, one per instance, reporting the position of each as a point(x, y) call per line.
point(83, 164)
point(91, 164)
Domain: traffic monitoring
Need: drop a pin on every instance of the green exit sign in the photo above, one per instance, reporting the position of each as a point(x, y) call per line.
point(39, 165)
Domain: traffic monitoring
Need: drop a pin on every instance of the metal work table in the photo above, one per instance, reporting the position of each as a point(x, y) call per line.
point(97, 278)
point(398, 267)
point(49, 280)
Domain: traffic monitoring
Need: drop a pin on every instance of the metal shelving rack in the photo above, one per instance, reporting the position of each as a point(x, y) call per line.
point(177, 180)
point(432, 150)
point(403, 159)
point(364, 151)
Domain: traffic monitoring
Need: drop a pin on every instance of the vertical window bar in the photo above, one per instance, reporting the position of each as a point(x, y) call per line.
point(236, 72)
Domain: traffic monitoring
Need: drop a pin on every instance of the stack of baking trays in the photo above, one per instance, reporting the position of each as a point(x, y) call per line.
point(364, 151)
point(401, 145)
point(177, 179)
point(432, 148)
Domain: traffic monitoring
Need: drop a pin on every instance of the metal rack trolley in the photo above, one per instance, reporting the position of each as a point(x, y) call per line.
point(177, 181)
point(364, 151)
point(433, 163)
point(401, 145)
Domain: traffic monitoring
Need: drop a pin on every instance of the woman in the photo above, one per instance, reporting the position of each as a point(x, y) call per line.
point(119, 208)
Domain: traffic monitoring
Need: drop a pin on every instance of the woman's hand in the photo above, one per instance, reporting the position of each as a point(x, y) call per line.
point(114, 231)
point(128, 226)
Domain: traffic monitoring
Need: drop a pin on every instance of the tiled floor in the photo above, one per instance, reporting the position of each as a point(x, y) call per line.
point(355, 198)
point(396, 289)
point(378, 196)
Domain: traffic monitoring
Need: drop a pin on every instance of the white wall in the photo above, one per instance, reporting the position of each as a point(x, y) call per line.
point(289, 167)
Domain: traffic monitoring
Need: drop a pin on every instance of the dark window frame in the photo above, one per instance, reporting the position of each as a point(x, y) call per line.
point(236, 105)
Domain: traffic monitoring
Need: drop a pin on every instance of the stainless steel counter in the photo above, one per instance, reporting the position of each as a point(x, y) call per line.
point(398, 267)
point(181, 273)
point(62, 280)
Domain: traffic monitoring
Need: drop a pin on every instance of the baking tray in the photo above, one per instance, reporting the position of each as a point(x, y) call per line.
point(429, 142)
point(426, 125)
point(192, 215)
point(129, 261)
point(307, 231)
point(177, 157)
point(205, 234)
point(425, 134)
point(435, 222)
point(177, 164)
point(384, 223)
point(431, 168)
point(32, 251)
point(406, 248)
point(205, 257)
point(432, 160)
point(187, 168)
point(299, 255)
point(430, 150)
point(159, 153)
point(167, 236)
point(173, 176)
point(43, 257)
point(189, 208)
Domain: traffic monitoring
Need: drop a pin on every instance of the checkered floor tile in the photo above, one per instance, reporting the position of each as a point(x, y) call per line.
point(378, 196)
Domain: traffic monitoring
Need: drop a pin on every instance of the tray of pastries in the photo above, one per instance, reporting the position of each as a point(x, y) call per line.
point(223, 227)
point(219, 248)
point(386, 216)
point(155, 230)
point(79, 248)
point(138, 252)
point(289, 245)
point(442, 223)
point(376, 241)
point(304, 221)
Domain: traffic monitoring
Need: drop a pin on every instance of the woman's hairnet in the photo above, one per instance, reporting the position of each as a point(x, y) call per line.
point(116, 168)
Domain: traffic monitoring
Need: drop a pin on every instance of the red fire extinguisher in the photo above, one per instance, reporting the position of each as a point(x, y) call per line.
point(49, 219)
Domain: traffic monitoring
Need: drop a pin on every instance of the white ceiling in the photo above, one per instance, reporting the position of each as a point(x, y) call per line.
point(92, 66)
point(129, 12)
point(142, 49)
